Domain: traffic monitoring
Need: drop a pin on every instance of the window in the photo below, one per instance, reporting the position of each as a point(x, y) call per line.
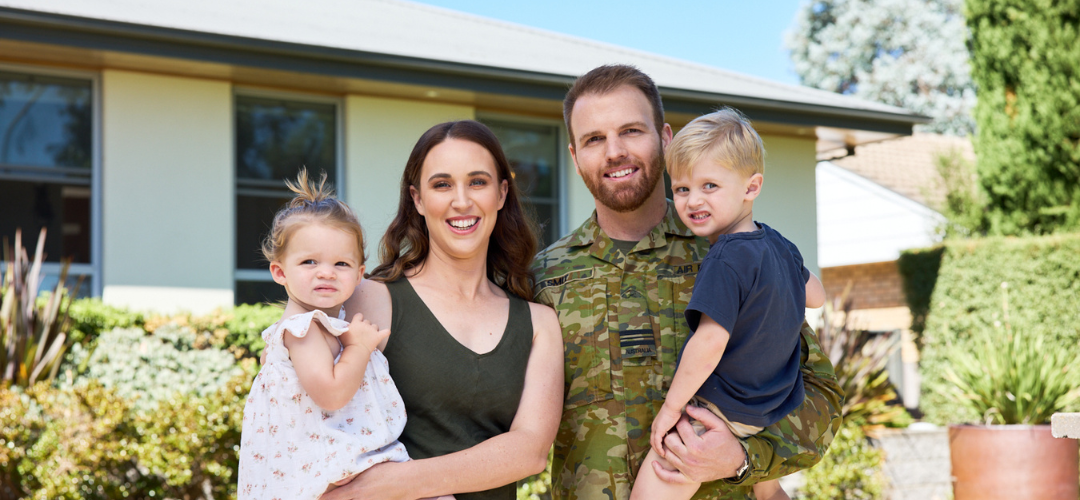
point(533, 152)
point(48, 171)
point(275, 137)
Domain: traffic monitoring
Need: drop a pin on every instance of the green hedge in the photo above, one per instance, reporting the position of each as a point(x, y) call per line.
point(145, 406)
point(958, 286)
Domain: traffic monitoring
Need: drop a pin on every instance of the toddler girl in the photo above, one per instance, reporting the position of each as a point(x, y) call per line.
point(323, 407)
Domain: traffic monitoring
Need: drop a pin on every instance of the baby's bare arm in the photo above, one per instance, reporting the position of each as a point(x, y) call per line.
point(330, 385)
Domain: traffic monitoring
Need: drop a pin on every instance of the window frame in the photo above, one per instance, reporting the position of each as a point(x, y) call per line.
point(338, 103)
point(28, 173)
point(562, 158)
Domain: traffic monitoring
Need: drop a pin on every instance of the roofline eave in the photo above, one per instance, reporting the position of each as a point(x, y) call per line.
point(51, 28)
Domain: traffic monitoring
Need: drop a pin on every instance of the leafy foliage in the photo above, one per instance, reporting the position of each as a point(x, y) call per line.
point(150, 368)
point(964, 206)
point(851, 470)
point(33, 335)
point(87, 442)
point(1026, 63)
point(91, 317)
point(907, 53)
point(859, 361)
point(1011, 377)
point(963, 294)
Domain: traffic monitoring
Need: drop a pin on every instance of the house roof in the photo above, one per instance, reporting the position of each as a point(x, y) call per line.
point(403, 36)
point(907, 165)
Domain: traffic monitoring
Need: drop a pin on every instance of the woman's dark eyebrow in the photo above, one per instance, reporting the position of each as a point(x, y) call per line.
point(448, 176)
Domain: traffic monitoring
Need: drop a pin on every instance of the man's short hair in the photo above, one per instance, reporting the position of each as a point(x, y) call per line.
point(606, 79)
point(725, 137)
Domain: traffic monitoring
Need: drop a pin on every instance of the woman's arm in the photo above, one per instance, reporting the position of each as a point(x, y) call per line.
point(500, 460)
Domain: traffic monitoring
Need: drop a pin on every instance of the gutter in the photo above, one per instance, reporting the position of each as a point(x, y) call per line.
point(97, 34)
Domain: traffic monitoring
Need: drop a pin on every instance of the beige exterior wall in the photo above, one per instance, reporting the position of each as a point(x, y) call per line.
point(379, 135)
point(788, 201)
point(167, 192)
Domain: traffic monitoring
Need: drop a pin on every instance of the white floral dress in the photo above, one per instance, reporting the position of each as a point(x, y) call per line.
point(290, 448)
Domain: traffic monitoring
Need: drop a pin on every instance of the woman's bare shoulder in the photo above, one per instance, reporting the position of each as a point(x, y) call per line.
point(545, 321)
point(372, 299)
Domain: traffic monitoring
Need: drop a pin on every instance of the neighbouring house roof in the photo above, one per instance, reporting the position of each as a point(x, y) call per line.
point(907, 165)
point(398, 37)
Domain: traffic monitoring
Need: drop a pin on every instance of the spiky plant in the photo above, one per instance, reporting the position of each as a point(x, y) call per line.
point(1013, 376)
point(33, 335)
point(859, 361)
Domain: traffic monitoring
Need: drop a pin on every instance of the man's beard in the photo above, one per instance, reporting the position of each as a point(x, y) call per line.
point(631, 197)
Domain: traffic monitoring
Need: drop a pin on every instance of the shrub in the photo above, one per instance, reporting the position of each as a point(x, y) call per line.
point(851, 470)
point(149, 368)
point(71, 444)
point(88, 442)
point(1043, 274)
point(91, 317)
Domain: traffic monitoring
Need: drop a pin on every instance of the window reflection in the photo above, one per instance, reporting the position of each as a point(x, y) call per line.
point(533, 153)
point(46, 159)
point(274, 139)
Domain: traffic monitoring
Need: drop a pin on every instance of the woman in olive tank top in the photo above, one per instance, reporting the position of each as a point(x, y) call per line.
point(480, 369)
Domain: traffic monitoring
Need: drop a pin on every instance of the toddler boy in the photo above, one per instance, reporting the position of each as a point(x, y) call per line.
point(749, 297)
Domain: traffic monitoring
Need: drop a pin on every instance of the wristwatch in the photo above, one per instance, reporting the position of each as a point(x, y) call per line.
point(741, 471)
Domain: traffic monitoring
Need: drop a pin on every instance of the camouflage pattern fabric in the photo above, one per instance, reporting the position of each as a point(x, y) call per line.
point(623, 326)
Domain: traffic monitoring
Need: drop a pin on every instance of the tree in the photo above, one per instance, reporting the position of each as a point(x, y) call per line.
point(907, 53)
point(1026, 62)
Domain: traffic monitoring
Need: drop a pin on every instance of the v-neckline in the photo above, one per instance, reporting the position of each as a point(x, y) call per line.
point(435, 319)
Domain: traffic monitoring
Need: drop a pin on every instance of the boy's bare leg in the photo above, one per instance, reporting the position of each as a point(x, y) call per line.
point(770, 490)
point(649, 486)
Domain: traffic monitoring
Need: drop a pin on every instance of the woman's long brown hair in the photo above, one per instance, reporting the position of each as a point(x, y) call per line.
point(513, 242)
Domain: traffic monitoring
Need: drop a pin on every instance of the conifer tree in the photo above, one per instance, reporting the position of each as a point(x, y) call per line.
point(1026, 63)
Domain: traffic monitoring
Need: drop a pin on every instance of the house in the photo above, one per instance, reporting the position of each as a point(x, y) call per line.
point(872, 205)
point(151, 137)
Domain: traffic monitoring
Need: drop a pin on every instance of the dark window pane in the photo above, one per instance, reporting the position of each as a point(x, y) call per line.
point(45, 121)
point(259, 292)
point(254, 214)
point(274, 138)
point(533, 153)
point(548, 223)
point(62, 209)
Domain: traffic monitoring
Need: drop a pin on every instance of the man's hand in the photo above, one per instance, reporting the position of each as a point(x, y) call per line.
point(364, 334)
point(715, 454)
point(665, 419)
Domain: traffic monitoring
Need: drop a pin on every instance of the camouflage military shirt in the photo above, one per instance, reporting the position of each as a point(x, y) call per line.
point(623, 326)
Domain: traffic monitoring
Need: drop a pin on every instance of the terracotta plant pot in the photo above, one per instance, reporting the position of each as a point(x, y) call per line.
point(1012, 461)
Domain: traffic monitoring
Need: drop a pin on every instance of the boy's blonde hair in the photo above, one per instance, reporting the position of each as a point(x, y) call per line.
point(723, 136)
point(313, 203)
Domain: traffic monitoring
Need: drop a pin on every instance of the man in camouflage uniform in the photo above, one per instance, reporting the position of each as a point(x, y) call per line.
point(620, 284)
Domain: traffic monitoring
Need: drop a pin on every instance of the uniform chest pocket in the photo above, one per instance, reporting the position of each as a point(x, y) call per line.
point(675, 291)
point(581, 303)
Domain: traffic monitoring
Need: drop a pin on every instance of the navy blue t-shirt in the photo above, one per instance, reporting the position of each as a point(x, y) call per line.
point(754, 285)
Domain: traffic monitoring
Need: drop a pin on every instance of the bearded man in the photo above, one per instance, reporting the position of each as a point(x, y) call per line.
point(620, 284)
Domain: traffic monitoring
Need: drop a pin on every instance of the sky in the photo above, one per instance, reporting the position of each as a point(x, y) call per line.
point(744, 36)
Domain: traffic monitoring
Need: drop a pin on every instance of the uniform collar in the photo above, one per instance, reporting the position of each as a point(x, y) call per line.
point(590, 234)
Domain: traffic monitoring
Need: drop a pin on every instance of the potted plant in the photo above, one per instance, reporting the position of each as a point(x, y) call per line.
point(1015, 380)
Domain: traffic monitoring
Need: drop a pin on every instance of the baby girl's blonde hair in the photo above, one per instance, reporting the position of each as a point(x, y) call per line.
point(313, 203)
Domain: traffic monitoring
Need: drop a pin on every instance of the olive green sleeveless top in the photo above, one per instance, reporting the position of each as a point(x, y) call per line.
point(454, 397)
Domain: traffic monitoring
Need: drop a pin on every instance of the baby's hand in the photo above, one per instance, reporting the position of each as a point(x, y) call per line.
point(665, 420)
point(363, 333)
